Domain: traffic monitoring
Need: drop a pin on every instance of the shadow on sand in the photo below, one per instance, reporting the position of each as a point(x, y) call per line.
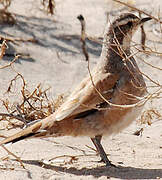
point(115, 172)
point(49, 34)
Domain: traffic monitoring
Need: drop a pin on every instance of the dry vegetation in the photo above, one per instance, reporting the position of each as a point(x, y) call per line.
point(36, 104)
point(7, 18)
point(33, 105)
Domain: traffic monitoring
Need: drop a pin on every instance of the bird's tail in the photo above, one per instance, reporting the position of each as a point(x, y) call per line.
point(46, 128)
point(26, 133)
point(38, 129)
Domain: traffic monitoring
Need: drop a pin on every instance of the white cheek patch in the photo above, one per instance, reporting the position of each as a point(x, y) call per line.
point(126, 41)
point(128, 38)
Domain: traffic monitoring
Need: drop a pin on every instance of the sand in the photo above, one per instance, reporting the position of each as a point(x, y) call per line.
point(59, 62)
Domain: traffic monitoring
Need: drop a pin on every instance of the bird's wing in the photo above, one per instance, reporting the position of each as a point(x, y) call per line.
point(85, 96)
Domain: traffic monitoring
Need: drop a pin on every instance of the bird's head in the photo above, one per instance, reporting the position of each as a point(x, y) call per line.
point(122, 29)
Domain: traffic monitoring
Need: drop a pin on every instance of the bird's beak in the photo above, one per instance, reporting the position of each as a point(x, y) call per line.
point(144, 20)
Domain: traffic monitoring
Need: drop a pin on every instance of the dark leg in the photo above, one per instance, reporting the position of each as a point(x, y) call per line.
point(97, 142)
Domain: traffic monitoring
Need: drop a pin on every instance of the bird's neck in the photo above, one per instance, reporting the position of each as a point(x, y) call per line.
point(116, 43)
point(113, 53)
point(116, 47)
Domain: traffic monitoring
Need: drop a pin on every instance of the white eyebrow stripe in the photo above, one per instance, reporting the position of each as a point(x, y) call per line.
point(124, 21)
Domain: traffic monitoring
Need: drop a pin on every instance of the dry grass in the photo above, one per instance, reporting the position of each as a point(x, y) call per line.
point(36, 104)
point(5, 3)
point(148, 116)
point(49, 6)
point(8, 18)
point(33, 105)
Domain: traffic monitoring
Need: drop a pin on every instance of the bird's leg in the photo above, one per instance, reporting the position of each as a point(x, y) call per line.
point(97, 142)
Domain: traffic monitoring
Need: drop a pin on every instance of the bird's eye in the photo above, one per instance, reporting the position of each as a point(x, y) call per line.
point(130, 23)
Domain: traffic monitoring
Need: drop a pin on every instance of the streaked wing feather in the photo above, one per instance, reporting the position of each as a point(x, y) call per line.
point(85, 96)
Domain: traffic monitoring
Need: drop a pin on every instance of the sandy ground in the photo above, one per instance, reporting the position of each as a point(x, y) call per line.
point(136, 157)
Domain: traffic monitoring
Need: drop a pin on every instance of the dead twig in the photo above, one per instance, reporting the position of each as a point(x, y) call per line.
point(3, 48)
point(10, 64)
point(148, 115)
point(59, 57)
point(49, 5)
point(14, 79)
point(143, 35)
point(5, 3)
point(35, 105)
point(12, 116)
point(138, 132)
point(138, 10)
point(6, 17)
point(149, 64)
point(12, 154)
point(83, 37)
point(32, 40)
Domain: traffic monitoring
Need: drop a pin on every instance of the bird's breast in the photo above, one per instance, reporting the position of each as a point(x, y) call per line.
point(117, 120)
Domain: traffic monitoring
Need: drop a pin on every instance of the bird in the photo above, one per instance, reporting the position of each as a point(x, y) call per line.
point(107, 100)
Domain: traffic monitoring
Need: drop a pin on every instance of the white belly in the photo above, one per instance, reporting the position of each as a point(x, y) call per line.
point(126, 121)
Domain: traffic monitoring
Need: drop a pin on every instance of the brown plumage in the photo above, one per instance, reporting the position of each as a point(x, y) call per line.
point(116, 77)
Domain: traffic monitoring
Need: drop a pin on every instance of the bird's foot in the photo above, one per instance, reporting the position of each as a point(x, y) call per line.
point(108, 163)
